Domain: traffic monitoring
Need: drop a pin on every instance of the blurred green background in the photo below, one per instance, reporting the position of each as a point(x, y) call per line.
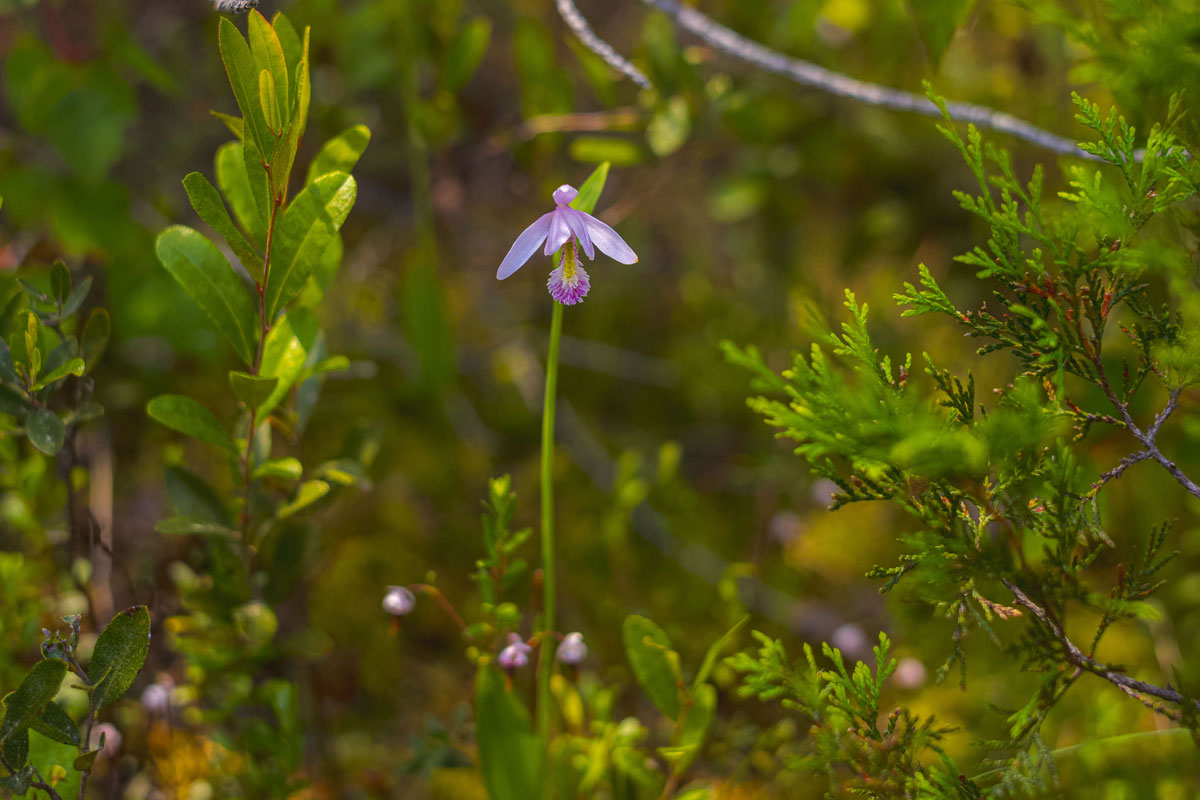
point(752, 204)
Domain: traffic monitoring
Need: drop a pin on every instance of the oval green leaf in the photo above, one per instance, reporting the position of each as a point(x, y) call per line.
point(340, 153)
point(510, 753)
point(187, 416)
point(25, 705)
point(304, 231)
point(654, 663)
point(209, 207)
point(119, 654)
point(47, 432)
point(205, 274)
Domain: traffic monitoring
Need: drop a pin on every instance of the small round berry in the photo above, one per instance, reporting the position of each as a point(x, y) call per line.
point(399, 601)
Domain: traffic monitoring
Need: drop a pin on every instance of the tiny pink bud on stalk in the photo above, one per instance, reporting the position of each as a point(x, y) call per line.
point(571, 651)
point(399, 601)
point(577, 230)
point(515, 655)
point(156, 699)
point(107, 733)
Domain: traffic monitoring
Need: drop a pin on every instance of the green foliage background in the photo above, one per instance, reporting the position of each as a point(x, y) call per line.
point(752, 203)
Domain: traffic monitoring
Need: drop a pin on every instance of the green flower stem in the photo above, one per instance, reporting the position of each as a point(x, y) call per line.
point(548, 580)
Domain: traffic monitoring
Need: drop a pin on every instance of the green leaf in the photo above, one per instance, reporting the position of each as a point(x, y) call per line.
point(344, 472)
point(714, 651)
point(289, 40)
point(60, 282)
point(243, 78)
point(187, 416)
point(96, 333)
point(235, 184)
point(252, 390)
point(286, 468)
point(599, 149)
point(340, 153)
point(270, 105)
point(16, 748)
point(18, 782)
point(268, 55)
point(119, 654)
point(693, 727)
point(325, 366)
point(46, 430)
point(936, 21)
point(23, 707)
point(8, 370)
point(283, 157)
point(25, 342)
point(234, 124)
point(192, 496)
point(62, 353)
point(254, 159)
point(207, 203)
point(286, 352)
point(308, 493)
point(206, 275)
point(632, 764)
point(654, 663)
point(35, 292)
point(76, 297)
point(303, 92)
point(187, 526)
point(510, 753)
point(589, 192)
point(13, 403)
point(669, 127)
point(54, 723)
point(73, 366)
point(466, 52)
point(84, 762)
point(323, 275)
point(306, 228)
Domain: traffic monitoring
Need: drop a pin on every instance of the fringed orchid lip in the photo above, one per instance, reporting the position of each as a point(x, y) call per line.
point(569, 283)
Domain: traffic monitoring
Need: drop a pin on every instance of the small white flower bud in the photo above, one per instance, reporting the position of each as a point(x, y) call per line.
point(910, 673)
point(516, 655)
point(571, 650)
point(399, 601)
point(156, 699)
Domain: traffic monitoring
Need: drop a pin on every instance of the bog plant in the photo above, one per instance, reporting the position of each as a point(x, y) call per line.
point(1092, 323)
point(1008, 535)
point(46, 398)
point(116, 658)
point(284, 234)
point(1096, 305)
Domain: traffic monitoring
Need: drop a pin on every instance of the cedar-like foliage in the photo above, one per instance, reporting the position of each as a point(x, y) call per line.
point(1093, 299)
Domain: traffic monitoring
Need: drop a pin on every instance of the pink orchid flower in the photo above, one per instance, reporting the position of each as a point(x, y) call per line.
point(569, 282)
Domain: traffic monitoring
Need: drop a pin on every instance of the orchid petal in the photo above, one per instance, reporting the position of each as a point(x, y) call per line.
point(559, 232)
point(525, 246)
point(609, 241)
point(575, 219)
point(564, 194)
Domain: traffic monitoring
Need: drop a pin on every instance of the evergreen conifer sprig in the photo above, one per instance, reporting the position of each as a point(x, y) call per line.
point(1007, 528)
